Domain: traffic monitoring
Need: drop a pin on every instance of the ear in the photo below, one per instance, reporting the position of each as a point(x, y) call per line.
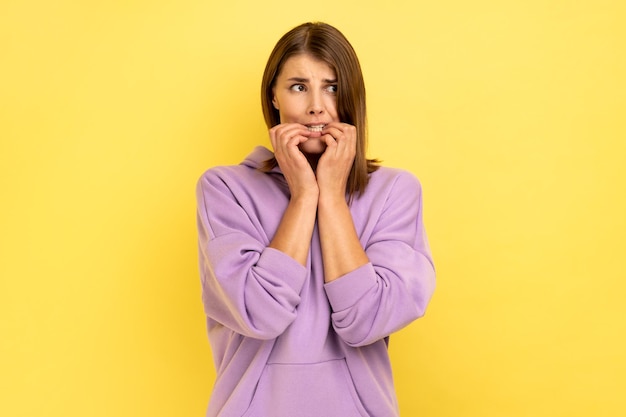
point(274, 101)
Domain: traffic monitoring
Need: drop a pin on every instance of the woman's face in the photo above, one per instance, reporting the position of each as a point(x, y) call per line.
point(305, 92)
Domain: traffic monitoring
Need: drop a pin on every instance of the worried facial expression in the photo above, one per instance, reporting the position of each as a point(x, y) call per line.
point(305, 92)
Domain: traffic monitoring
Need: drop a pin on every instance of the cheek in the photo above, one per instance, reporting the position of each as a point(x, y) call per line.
point(286, 114)
point(289, 109)
point(332, 110)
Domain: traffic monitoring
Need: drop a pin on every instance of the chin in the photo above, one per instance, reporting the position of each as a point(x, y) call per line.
point(313, 147)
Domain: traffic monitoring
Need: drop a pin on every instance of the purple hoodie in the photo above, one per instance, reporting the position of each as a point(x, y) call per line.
point(285, 344)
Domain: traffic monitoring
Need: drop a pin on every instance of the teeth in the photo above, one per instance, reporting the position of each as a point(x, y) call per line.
point(317, 128)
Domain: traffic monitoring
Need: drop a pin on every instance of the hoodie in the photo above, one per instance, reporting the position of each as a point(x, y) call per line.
point(284, 343)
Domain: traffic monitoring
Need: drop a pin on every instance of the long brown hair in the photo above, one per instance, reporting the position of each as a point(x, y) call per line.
point(324, 42)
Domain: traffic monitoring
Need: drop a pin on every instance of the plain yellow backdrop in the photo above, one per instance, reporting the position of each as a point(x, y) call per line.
point(510, 112)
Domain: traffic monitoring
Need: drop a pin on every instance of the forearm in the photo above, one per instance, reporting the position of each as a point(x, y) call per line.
point(341, 249)
point(293, 236)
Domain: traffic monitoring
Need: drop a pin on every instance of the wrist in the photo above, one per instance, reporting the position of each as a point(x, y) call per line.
point(332, 200)
point(305, 198)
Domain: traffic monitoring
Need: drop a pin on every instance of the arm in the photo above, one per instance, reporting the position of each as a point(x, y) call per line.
point(293, 236)
point(394, 288)
point(377, 286)
point(341, 249)
point(247, 286)
point(252, 285)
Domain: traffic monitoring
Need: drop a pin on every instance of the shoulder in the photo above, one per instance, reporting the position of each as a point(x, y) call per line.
point(393, 180)
point(240, 182)
point(230, 174)
point(248, 170)
point(221, 180)
point(224, 171)
point(389, 187)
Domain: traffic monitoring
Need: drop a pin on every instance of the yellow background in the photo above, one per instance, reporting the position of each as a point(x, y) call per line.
point(510, 112)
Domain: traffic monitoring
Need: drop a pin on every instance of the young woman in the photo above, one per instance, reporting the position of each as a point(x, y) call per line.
point(310, 255)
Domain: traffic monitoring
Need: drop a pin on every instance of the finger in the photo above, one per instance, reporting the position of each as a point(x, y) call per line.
point(295, 134)
point(291, 127)
point(287, 135)
point(344, 143)
point(341, 131)
point(329, 140)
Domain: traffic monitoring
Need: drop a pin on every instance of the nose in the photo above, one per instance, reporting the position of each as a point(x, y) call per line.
point(316, 104)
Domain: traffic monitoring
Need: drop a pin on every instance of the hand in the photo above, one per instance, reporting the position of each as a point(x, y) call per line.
point(293, 163)
point(335, 164)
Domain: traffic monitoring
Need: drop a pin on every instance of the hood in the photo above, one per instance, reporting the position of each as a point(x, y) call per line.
point(256, 158)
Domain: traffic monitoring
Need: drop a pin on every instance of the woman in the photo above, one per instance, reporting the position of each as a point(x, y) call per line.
point(310, 256)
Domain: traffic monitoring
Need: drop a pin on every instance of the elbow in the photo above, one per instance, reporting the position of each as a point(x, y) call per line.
point(421, 306)
point(419, 312)
point(423, 293)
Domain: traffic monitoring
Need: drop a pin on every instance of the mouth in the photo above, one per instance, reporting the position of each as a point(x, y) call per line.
point(315, 128)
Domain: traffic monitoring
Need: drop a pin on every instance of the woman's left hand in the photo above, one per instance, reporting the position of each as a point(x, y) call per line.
point(333, 167)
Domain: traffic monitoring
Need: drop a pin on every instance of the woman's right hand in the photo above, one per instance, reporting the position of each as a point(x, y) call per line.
point(293, 163)
point(293, 236)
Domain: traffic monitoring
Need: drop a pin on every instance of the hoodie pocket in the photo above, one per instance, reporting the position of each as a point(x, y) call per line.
point(322, 389)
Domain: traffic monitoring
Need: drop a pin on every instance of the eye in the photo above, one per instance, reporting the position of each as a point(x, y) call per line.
point(298, 87)
point(332, 88)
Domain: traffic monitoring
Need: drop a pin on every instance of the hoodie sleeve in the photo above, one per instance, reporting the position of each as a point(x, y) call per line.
point(394, 288)
point(246, 286)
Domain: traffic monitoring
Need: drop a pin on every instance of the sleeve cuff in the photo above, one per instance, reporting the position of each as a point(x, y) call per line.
point(346, 291)
point(291, 272)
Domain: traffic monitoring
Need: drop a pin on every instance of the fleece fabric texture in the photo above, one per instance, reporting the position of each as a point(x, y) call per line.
point(284, 343)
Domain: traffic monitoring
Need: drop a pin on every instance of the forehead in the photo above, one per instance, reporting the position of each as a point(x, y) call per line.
point(306, 66)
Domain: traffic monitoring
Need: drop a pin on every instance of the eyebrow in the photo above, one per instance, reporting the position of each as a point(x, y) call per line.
point(306, 80)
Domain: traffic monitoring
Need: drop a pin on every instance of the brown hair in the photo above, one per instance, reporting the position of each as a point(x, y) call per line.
point(324, 42)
